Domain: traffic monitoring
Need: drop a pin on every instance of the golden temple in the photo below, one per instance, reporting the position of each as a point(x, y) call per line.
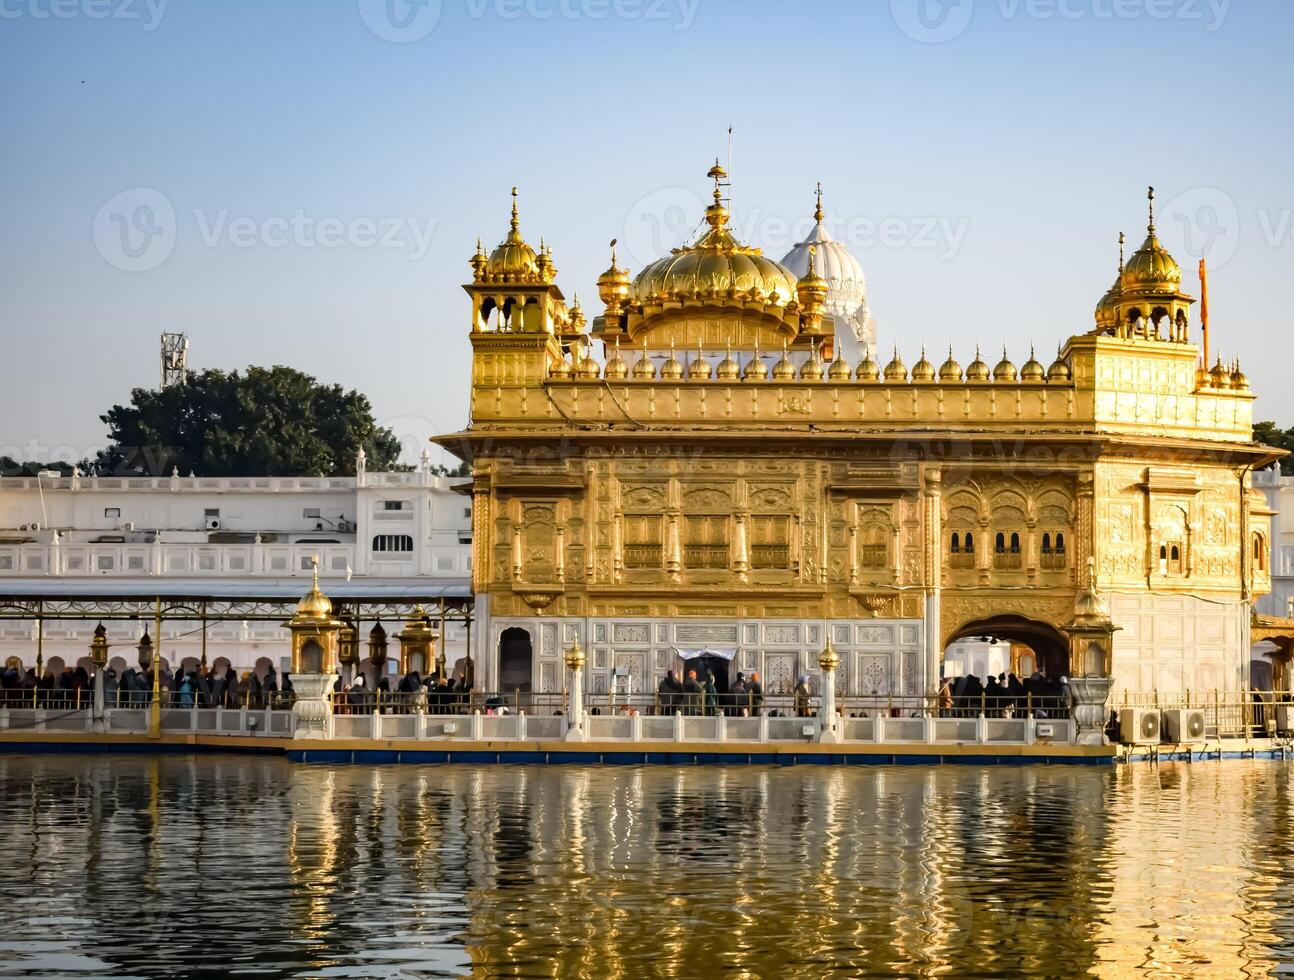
point(699, 467)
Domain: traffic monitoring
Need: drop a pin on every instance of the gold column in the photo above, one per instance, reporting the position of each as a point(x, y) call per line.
point(155, 709)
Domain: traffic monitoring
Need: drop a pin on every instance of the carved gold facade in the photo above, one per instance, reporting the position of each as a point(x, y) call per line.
point(718, 462)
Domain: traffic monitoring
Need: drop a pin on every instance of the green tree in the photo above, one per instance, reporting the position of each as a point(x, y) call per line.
point(1269, 434)
point(262, 422)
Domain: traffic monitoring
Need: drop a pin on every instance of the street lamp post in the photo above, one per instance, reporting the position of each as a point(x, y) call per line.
point(99, 657)
point(828, 661)
point(575, 665)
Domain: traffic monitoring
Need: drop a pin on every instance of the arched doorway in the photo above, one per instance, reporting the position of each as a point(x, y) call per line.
point(1013, 644)
point(515, 658)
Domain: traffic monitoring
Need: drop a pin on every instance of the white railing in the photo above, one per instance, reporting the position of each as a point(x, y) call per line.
point(175, 560)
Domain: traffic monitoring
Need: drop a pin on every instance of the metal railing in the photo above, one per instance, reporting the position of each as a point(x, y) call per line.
point(1243, 714)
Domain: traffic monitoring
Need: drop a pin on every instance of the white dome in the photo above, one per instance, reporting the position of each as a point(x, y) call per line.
point(846, 285)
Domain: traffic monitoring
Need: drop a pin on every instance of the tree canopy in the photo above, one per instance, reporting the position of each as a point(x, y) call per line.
point(1269, 434)
point(262, 422)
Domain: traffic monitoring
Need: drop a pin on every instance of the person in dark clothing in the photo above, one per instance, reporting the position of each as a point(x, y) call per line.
point(738, 696)
point(802, 707)
point(666, 692)
point(993, 698)
point(1015, 691)
point(692, 694)
point(711, 693)
point(972, 696)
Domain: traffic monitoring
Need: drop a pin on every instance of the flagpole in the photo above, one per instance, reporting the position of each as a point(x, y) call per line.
point(1204, 310)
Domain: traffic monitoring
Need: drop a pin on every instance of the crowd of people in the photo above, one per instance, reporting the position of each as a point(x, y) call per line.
point(414, 694)
point(1003, 696)
point(189, 687)
point(690, 696)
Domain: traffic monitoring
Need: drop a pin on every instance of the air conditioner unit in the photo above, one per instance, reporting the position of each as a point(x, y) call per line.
point(1182, 725)
point(213, 524)
point(128, 526)
point(1284, 717)
point(1139, 726)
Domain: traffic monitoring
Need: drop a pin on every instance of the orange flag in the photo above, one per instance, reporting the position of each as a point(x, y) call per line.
point(1204, 310)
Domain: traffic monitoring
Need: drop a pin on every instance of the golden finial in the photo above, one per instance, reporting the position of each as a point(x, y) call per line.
point(516, 223)
point(1122, 241)
point(314, 571)
point(817, 211)
point(1151, 197)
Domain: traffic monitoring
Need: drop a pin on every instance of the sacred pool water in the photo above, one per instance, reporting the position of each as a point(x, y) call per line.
point(246, 866)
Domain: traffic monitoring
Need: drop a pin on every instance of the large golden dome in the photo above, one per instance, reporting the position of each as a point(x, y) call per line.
point(314, 605)
point(717, 266)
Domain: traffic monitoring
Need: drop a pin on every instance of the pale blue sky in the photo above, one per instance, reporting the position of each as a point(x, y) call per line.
point(982, 179)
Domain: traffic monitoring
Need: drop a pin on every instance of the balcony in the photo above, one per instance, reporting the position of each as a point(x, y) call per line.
point(642, 556)
point(961, 560)
point(705, 556)
point(1008, 561)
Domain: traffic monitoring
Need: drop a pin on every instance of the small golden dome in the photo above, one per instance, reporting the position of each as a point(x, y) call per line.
point(812, 369)
point(478, 262)
point(1005, 370)
point(616, 368)
point(1239, 380)
point(561, 369)
point(586, 367)
point(950, 371)
point(1032, 370)
point(513, 260)
point(1107, 310)
point(1059, 370)
point(977, 370)
point(811, 289)
point(868, 369)
point(839, 370)
point(644, 369)
point(923, 370)
point(784, 370)
point(1151, 268)
point(755, 369)
point(314, 605)
point(576, 315)
point(613, 285)
point(671, 370)
point(896, 370)
point(699, 369)
point(1220, 376)
point(728, 369)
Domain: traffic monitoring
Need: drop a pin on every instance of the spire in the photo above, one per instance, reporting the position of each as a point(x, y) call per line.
point(817, 211)
point(1151, 197)
point(515, 224)
point(1122, 241)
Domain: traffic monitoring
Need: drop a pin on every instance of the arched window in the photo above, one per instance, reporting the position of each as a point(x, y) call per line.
point(1259, 557)
point(1046, 543)
point(970, 543)
point(999, 546)
point(1060, 543)
point(956, 546)
point(1015, 544)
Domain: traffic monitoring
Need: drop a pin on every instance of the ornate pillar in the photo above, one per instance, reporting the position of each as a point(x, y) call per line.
point(934, 578)
point(575, 688)
point(99, 657)
point(741, 548)
point(1091, 645)
point(828, 661)
point(314, 655)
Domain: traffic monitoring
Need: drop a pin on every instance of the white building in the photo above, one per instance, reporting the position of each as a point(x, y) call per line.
point(397, 537)
point(1279, 491)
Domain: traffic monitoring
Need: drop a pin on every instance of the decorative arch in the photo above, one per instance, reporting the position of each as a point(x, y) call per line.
point(1049, 645)
point(516, 660)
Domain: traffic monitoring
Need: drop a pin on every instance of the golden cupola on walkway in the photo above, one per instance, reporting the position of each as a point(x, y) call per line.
point(315, 631)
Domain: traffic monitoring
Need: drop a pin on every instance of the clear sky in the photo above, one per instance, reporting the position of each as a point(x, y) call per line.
point(303, 181)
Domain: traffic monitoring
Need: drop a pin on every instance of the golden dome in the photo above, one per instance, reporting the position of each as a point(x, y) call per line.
point(784, 370)
point(513, 260)
point(699, 369)
point(1221, 376)
point(1059, 370)
point(613, 285)
point(671, 370)
point(728, 369)
point(576, 315)
point(812, 369)
point(811, 288)
point(896, 370)
point(1032, 370)
point(1151, 268)
point(1239, 380)
point(562, 369)
point(1005, 370)
point(644, 369)
point(616, 368)
point(755, 369)
point(868, 369)
point(314, 605)
point(717, 266)
point(839, 370)
point(1107, 310)
point(923, 370)
point(977, 370)
point(950, 370)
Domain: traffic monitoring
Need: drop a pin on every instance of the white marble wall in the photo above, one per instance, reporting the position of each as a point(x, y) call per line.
point(1178, 643)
